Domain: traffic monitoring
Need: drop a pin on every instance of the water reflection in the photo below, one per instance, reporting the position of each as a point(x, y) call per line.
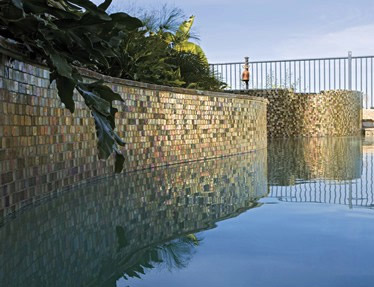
point(322, 170)
point(174, 254)
point(296, 161)
point(126, 225)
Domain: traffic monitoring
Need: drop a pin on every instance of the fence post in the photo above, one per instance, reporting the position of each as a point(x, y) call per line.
point(350, 70)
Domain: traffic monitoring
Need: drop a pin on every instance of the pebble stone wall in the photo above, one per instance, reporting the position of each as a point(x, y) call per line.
point(44, 148)
point(73, 239)
point(329, 113)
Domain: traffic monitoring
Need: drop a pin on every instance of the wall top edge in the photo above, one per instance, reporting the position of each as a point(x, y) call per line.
point(251, 91)
point(108, 79)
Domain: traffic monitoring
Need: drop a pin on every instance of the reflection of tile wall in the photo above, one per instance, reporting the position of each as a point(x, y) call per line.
point(151, 207)
point(44, 148)
point(293, 161)
point(330, 113)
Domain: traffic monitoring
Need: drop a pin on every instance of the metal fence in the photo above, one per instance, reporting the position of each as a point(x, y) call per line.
point(304, 75)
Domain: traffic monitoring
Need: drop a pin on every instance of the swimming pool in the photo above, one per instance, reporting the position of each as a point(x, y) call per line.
point(299, 213)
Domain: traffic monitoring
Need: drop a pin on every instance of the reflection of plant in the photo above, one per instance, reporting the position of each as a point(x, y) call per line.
point(174, 254)
point(177, 253)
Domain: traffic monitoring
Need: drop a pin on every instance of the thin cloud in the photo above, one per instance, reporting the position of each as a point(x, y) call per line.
point(358, 39)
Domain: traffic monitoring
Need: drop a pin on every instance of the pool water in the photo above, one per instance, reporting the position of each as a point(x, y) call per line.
point(299, 213)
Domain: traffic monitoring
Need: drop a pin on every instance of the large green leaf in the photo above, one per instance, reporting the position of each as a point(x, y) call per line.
point(98, 98)
point(66, 88)
point(91, 8)
point(103, 6)
point(65, 33)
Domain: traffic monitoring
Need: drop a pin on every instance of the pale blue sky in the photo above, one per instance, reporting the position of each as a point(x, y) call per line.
point(274, 29)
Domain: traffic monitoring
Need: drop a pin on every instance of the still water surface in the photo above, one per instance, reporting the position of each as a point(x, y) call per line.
point(297, 214)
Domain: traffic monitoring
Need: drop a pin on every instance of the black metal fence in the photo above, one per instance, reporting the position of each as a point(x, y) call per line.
point(304, 75)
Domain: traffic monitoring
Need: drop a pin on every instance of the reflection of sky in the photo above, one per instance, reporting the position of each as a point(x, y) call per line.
point(273, 29)
point(288, 243)
point(283, 244)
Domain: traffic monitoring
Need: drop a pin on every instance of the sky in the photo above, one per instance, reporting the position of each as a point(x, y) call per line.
point(275, 29)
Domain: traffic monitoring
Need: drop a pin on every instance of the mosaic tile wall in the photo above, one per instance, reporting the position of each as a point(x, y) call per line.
point(44, 148)
point(330, 113)
point(104, 228)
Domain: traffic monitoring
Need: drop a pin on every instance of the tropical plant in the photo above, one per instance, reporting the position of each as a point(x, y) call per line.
point(146, 59)
point(181, 54)
point(195, 72)
point(66, 34)
point(180, 41)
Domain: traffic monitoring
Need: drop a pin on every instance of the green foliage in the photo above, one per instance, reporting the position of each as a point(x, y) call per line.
point(146, 59)
point(195, 72)
point(70, 33)
point(171, 57)
point(67, 34)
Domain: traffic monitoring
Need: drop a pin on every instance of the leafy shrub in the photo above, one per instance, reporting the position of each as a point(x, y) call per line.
point(67, 34)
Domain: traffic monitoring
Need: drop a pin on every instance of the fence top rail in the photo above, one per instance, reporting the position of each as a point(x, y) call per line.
point(293, 60)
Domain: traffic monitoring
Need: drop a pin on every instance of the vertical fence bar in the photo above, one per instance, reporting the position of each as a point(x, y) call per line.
point(356, 74)
point(280, 74)
point(290, 73)
point(310, 79)
point(230, 70)
point(324, 75)
point(266, 76)
point(251, 75)
point(334, 73)
point(361, 74)
point(340, 74)
point(329, 74)
point(350, 70)
point(366, 80)
point(314, 76)
point(294, 75)
point(221, 74)
point(319, 75)
point(299, 76)
point(372, 91)
point(275, 76)
point(285, 74)
point(235, 77)
point(345, 74)
point(304, 76)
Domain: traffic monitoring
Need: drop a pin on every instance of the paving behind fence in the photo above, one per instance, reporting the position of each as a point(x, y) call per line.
point(330, 113)
point(44, 148)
